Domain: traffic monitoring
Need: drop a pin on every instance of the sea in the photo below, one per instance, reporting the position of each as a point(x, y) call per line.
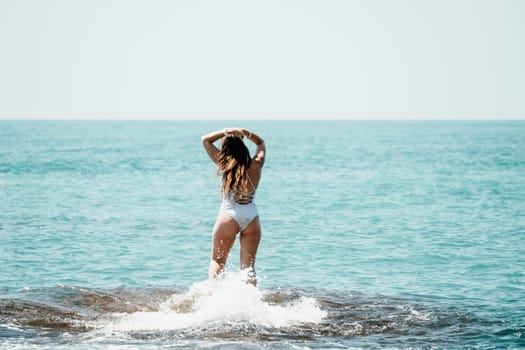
point(375, 235)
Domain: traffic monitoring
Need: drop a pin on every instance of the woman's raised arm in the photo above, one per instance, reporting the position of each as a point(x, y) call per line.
point(260, 151)
point(207, 142)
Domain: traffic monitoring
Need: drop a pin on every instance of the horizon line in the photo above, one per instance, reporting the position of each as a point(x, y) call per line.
point(267, 118)
point(189, 119)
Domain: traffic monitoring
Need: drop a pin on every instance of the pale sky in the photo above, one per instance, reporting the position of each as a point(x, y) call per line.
point(271, 59)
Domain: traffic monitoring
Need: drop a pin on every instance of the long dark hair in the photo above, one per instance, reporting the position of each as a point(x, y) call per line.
point(233, 162)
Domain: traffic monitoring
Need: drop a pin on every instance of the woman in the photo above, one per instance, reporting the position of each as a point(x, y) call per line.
point(238, 213)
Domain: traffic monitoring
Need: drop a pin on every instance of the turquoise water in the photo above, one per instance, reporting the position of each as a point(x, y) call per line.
point(375, 235)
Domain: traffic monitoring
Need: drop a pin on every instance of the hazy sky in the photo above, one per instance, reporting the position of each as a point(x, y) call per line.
point(243, 59)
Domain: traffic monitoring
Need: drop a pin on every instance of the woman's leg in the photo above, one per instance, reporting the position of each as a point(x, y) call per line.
point(250, 238)
point(224, 233)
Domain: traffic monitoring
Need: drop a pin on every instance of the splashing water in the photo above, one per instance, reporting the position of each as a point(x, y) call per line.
point(214, 314)
point(226, 301)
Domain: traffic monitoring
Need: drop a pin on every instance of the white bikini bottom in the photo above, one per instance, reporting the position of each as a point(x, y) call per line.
point(243, 214)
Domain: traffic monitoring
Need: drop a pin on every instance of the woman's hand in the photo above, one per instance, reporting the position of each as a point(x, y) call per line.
point(238, 132)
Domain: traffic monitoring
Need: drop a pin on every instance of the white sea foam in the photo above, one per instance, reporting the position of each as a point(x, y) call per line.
point(227, 301)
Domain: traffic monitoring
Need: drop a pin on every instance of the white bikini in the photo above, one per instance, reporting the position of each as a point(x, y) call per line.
point(243, 211)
